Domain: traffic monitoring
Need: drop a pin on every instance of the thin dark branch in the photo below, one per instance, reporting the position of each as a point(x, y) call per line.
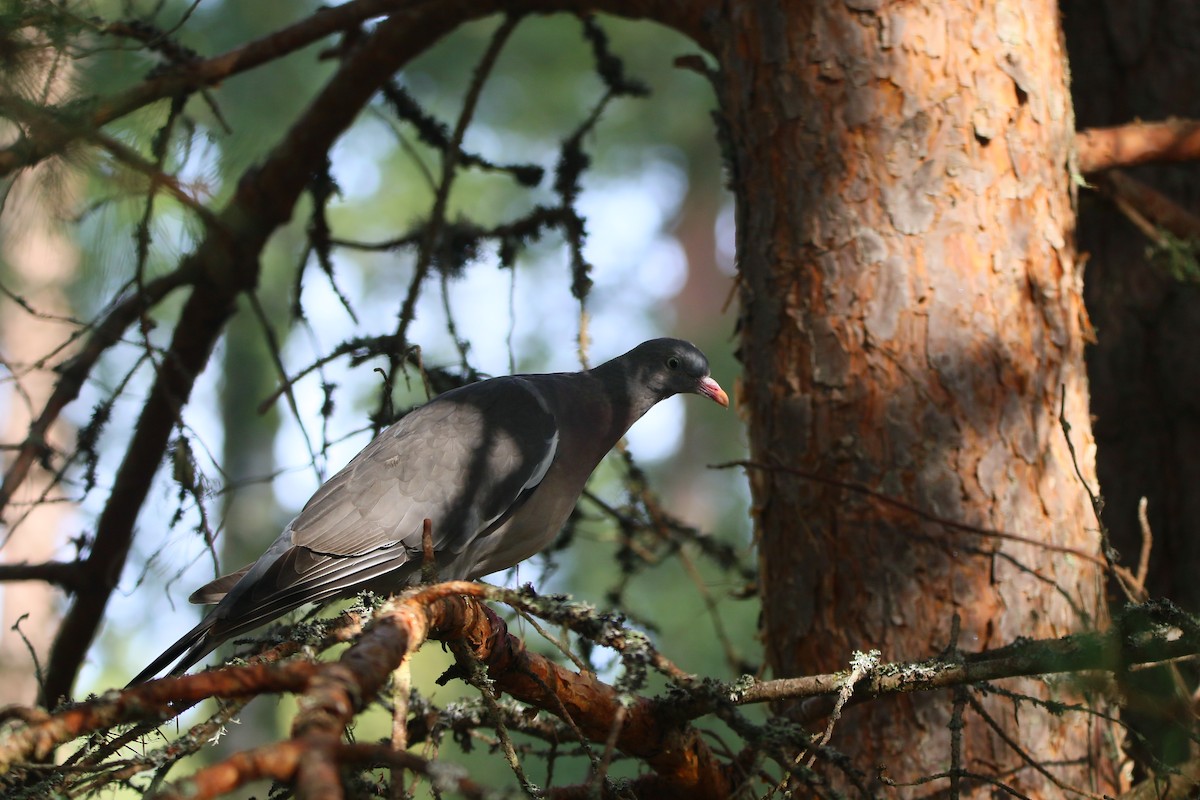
point(274, 350)
point(359, 349)
point(59, 127)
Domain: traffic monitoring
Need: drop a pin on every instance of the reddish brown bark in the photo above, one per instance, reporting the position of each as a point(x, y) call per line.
point(911, 315)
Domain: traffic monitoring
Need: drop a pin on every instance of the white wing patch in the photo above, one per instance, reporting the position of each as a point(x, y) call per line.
point(543, 466)
point(551, 444)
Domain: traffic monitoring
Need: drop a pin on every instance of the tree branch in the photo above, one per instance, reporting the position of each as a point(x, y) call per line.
point(66, 574)
point(684, 765)
point(1142, 635)
point(77, 118)
point(1137, 143)
point(333, 693)
point(1147, 208)
point(295, 761)
point(656, 731)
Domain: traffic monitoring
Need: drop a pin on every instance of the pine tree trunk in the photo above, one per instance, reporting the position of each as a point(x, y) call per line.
point(912, 315)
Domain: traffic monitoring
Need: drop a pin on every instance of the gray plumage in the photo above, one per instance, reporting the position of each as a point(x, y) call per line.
point(497, 466)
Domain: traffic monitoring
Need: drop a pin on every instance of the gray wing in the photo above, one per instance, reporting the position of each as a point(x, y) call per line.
point(464, 461)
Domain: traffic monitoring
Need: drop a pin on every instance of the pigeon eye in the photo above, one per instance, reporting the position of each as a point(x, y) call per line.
point(672, 363)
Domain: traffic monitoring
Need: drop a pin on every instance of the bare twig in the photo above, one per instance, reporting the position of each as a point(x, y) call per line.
point(1015, 746)
point(429, 568)
point(431, 239)
point(74, 372)
point(1124, 579)
point(1143, 567)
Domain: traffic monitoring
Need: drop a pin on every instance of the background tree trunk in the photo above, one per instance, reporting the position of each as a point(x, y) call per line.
point(912, 314)
point(252, 518)
point(1139, 60)
point(40, 260)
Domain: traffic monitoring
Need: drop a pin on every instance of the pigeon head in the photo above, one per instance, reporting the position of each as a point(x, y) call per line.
point(665, 367)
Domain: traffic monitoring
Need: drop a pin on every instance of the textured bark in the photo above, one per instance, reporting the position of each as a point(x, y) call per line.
point(911, 313)
point(1139, 60)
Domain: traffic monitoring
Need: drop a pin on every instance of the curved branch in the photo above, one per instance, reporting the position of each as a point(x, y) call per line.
point(684, 765)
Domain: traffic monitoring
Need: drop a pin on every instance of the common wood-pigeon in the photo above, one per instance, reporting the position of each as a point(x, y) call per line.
point(496, 466)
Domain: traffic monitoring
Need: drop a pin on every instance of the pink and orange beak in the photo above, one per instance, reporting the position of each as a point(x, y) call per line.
point(713, 391)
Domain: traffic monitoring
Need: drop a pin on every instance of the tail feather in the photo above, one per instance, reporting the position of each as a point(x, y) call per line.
point(192, 646)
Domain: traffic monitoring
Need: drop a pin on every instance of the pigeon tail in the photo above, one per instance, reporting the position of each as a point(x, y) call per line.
point(195, 645)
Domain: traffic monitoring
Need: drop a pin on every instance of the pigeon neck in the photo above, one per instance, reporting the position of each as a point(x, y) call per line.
point(629, 394)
